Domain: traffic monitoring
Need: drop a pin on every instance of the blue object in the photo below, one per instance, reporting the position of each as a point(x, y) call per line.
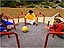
point(2, 29)
point(7, 22)
point(1, 25)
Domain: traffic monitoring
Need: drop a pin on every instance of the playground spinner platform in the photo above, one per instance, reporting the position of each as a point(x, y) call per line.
point(34, 38)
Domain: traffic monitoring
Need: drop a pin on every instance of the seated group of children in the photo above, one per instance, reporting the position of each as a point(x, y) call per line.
point(57, 26)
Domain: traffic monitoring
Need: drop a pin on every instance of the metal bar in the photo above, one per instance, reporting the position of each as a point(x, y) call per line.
point(9, 33)
point(59, 33)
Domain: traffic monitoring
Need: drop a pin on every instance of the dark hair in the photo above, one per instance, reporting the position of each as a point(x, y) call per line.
point(1, 15)
point(57, 20)
point(30, 11)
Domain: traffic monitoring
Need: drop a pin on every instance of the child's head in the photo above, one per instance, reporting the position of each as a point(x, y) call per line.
point(30, 11)
point(1, 15)
point(57, 20)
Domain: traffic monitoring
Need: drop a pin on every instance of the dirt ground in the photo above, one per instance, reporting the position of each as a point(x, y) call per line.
point(16, 11)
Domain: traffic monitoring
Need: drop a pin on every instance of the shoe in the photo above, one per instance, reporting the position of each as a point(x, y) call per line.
point(34, 23)
point(28, 24)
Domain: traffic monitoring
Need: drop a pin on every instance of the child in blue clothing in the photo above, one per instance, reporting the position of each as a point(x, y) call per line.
point(6, 23)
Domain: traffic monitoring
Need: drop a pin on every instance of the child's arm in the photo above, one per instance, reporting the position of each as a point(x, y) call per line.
point(27, 15)
point(51, 28)
point(60, 27)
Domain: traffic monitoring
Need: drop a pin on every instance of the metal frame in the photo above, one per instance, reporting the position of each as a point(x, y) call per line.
point(51, 32)
point(55, 17)
point(10, 33)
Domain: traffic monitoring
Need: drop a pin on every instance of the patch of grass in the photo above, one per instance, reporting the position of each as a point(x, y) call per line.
point(46, 6)
point(61, 4)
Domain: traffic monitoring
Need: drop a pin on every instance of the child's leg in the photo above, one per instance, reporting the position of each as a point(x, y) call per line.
point(33, 21)
point(10, 26)
point(28, 21)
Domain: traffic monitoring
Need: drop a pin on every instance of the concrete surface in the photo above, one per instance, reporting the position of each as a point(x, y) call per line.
point(33, 39)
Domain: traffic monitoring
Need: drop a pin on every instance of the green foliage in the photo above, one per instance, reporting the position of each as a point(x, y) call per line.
point(54, 6)
point(28, 3)
point(6, 4)
point(13, 4)
point(61, 4)
point(51, 4)
point(30, 6)
point(0, 4)
point(46, 6)
point(45, 3)
point(37, 2)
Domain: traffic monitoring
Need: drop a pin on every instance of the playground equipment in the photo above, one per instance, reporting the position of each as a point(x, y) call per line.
point(37, 18)
point(54, 16)
point(4, 23)
point(53, 33)
point(10, 33)
point(24, 29)
point(40, 14)
point(22, 13)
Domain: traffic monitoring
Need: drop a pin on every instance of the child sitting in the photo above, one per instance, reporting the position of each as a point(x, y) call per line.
point(31, 18)
point(8, 24)
point(57, 26)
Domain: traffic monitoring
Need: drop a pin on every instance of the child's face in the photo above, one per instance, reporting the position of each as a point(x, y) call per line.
point(55, 23)
point(4, 15)
point(30, 13)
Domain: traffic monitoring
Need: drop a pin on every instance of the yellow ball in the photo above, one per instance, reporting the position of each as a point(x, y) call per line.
point(24, 29)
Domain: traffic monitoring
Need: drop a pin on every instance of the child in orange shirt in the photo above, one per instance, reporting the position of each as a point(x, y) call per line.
point(31, 18)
